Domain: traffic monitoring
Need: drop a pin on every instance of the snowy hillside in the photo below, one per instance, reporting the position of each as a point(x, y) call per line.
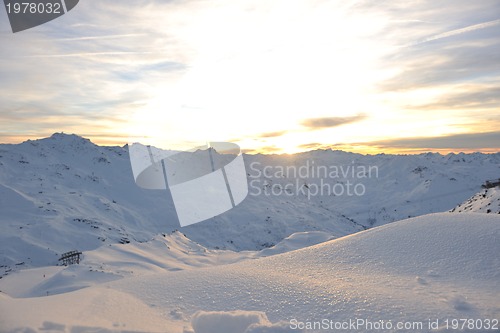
point(486, 201)
point(163, 253)
point(64, 193)
point(420, 271)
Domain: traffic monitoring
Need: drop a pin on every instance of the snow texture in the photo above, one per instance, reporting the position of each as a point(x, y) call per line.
point(436, 266)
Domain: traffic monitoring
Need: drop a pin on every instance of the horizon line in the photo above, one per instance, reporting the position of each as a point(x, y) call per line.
point(366, 149)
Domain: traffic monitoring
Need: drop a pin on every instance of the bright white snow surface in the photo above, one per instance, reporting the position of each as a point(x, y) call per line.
point(437, 267)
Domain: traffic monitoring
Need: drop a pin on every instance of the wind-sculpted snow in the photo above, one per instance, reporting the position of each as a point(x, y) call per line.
point(432, 267)
point(236, 322)
point(420, 270)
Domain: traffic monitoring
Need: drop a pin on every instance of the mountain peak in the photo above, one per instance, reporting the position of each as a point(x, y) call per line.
point(61, 141)
point(65, 136)
point(61, 138)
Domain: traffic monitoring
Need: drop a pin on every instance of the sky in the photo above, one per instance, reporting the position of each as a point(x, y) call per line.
point(272, 76)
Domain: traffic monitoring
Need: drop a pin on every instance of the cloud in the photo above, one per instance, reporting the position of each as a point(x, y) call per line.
point(466, 141)
point(263, 150)
point(84, 79)
point(459, 31)
point(468, 97)
point(269, 149)
point(100, 37)
point(326, 122)
point(86, 54)
point(272, 134)
point(431, 67)
point(486, 142)
point(463, 48)
point(311, 146)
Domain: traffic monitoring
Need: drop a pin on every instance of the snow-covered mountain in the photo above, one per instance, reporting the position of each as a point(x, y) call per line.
point(259, 267)
point(64, 192)
point(487, 201)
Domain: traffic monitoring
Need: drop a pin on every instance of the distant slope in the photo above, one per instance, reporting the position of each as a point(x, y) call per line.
point(486, 201)
point(171, 252)
point(436, 267)
point(64, 192)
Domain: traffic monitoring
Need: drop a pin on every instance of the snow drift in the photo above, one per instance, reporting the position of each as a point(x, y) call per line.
point(434, 267)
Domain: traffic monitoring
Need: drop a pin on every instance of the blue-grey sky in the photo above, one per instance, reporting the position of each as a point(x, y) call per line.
point(273, 76)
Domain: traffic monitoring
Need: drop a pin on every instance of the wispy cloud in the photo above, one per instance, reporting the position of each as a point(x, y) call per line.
point(263, 150)
point(458, 31)
point(465, 142)
point(86, 54)
point(449, 64)
point(467, 97)
point(312, 145)
point(452, 142)
point(83, 38)
point(327, 122)
point(272, 134)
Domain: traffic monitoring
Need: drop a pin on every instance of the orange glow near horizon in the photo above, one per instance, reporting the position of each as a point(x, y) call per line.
point(365, 149)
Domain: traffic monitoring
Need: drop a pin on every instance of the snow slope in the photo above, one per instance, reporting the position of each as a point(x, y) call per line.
point(173, 252)
point(64, 193)
point(437, 267)
point(487, 201)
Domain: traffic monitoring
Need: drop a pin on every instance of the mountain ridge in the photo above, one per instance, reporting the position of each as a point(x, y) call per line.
point(65, 192)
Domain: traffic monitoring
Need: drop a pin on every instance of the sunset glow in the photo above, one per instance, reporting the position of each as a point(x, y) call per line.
point(273, 77)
